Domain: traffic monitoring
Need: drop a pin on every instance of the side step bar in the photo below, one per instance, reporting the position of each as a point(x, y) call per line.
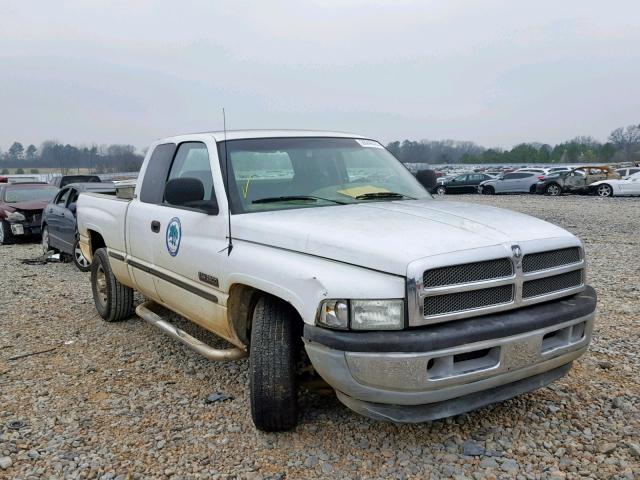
point(216, 354)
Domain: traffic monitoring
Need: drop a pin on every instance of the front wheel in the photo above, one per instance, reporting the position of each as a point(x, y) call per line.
point(488, 190)
point(272, 365)
point(114, 301)
point(78, 257)
point(441, 190)
point(604, 190)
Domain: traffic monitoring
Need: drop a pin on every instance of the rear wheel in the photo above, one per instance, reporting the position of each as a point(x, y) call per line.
point(532, 189)
point(604, 190)
point(78, 257)
point(6, 237)
point(553, 190)
point(488, 190)
point(272, 365)
point(114, 301)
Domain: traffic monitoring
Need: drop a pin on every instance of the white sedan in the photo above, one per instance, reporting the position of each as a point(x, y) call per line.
point(617, 188)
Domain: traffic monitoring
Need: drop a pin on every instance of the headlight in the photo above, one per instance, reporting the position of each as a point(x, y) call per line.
point(16, 217)
point(334, 314)
point(377, 314)
point(364, 314)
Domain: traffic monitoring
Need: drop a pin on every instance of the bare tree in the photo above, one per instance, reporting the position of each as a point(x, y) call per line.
point(627, 140)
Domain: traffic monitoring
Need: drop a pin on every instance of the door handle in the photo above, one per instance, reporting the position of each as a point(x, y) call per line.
point(155, 226)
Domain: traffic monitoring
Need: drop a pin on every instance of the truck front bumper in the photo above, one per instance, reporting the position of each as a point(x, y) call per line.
point(428, 373)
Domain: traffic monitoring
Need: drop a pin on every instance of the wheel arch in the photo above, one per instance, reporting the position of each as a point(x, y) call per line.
point(241, 303)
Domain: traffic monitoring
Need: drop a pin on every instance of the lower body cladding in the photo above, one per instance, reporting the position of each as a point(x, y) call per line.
point(434, 372)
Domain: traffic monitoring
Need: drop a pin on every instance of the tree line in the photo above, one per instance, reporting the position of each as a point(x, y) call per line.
point(623, 145)
point(65, 158)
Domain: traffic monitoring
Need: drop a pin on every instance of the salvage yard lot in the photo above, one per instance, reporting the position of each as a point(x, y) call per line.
point(123, 400)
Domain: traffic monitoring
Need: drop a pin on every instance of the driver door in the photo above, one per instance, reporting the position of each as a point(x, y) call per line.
point(190, 246)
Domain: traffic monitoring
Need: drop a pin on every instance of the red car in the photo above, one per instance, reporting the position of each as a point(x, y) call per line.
point(21, 206)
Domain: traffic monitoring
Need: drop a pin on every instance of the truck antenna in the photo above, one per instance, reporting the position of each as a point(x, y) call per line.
point(226, 169)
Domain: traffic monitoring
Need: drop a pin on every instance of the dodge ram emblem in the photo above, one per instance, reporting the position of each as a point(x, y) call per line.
point(174, 234)
point(517, 251)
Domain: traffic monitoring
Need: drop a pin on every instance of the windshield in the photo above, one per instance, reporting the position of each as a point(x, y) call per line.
point(18, 195)
point(280, 173)
point(635, 176)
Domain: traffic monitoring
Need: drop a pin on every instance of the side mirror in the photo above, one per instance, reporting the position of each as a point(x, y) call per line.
point(72, 207)
point(189, 192)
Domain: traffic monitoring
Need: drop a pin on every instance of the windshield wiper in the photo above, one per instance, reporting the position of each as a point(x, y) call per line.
point(375, 195)
point(286, 198)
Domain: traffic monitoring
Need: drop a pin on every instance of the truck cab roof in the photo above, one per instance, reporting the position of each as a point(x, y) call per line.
point(220, 136)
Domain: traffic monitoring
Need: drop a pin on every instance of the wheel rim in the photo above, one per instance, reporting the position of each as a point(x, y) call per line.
point(80, 258)
point(45, 240)
point(553, 190)
point(1, 233)
point(441, 190)
point(604, 190)
point(101, 286)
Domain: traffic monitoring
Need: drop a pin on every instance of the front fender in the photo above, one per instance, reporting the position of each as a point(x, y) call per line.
point(305, 280)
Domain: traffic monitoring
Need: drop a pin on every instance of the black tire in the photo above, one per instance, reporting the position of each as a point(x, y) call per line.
point(441, 190)
point(113, 300)
point(553, 189)
point(532, 188)
point(488, 190)
point(46, 246)
point(78, 258)
point(272, 365)
point(6, 237)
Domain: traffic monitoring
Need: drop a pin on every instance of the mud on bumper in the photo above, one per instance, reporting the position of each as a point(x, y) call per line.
point(428, 373)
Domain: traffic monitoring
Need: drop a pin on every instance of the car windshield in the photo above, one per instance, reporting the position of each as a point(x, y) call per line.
point(18, 195)
point(635, 176)
point(282, 173)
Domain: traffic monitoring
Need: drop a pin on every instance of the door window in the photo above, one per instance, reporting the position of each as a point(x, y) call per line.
point(62, 197)
point(192, 161)
point(73, 196)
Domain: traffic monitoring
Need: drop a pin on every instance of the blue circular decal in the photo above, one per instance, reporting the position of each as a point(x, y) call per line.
point(174, 234)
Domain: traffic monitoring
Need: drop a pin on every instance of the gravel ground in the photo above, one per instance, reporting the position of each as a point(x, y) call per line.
point(124, 401)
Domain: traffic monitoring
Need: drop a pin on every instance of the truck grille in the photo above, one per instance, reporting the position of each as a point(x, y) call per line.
point(470, 300)
point(449, 292)
point(547, 285)
point(534, 262)
point(468, 273)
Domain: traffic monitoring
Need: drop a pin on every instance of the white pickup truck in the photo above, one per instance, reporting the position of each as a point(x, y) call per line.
point(280, 242)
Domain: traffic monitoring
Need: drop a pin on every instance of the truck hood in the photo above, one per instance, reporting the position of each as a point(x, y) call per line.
point(387, 236)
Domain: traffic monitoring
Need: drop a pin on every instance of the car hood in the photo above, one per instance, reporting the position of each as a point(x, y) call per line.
point(387, 236)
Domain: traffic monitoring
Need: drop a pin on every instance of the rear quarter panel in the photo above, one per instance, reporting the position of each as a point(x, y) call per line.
point(104, 215)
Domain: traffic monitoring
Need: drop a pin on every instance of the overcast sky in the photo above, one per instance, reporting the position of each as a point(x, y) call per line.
point(495, 72)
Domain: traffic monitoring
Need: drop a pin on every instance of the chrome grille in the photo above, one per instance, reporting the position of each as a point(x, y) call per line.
point(534, 262)
point(469, 300)
point(547, 285)
point(467, 273)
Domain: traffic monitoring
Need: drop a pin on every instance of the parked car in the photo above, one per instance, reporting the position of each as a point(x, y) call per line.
point(574, 181)
point(465, 183)
point(67, 179)
point(516, 182)
point(539, 171)
point(59, 228)
point(617, 188)
point(627, 172)
point(411, 309)
point(21, 207)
